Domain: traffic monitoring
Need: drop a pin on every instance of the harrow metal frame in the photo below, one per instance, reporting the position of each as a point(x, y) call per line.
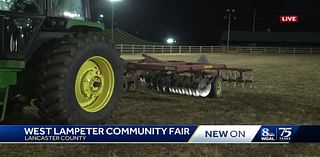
point(135, 69)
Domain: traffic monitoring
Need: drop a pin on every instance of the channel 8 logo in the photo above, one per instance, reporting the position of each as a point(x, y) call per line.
point(267, 134)
point(285, 134)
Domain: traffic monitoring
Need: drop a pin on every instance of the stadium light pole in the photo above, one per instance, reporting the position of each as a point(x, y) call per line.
point(229, 16)
point(254, 20)
point(112, 17)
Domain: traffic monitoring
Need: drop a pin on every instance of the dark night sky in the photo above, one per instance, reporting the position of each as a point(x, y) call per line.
point(202, 22)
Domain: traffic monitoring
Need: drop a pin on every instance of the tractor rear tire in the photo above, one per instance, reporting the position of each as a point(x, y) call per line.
point(80, 80)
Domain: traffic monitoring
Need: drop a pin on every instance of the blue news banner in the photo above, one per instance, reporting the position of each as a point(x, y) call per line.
point(159, 134)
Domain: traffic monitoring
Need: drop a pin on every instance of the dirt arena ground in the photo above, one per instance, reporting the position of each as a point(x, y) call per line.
point(287, 91)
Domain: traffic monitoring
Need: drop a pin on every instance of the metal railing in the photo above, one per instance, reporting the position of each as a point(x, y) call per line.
point(125, 48)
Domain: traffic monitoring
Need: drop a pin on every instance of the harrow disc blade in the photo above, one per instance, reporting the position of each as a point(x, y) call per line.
point(164, 89)
point(180, 91)
point(184, 91)
point(190, 92)
point(175, 91)
point(195, 93)
point(204, 92)
point(170, 90)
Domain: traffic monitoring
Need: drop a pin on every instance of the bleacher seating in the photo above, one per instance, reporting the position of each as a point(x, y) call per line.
point(123, 37)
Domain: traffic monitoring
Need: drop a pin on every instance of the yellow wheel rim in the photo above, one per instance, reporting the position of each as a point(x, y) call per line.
point(94, 84)
point(219, 87)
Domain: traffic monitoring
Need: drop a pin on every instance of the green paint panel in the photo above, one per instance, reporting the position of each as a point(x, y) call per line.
point(80, 23)
point(8, 76)
point(11, 64)
point(9, 70)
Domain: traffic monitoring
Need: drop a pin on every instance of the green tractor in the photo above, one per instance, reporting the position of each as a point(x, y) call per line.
point(55, 56)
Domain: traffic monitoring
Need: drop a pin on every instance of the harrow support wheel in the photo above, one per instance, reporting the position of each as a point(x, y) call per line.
point(217, 87)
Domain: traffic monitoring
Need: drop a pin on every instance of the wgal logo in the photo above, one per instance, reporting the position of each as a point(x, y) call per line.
point(267, 135)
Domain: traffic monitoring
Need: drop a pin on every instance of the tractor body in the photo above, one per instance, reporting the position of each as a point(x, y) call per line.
point(31, 34)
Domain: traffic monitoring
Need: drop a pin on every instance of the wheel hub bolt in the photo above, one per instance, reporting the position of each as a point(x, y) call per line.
point(97, 84)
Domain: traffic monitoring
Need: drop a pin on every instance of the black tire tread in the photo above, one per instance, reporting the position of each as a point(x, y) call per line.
point(53, 69)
